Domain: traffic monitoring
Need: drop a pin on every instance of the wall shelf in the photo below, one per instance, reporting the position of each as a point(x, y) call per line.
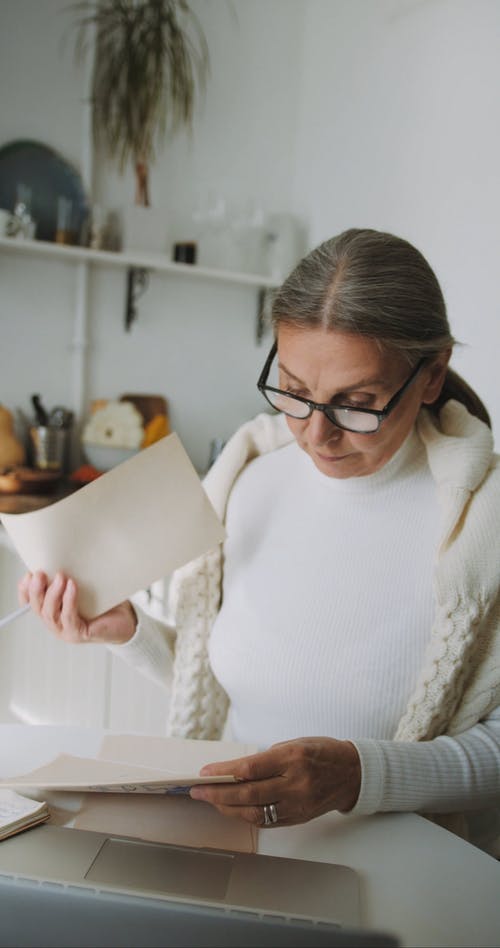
point(138, 267)
point(126, 259)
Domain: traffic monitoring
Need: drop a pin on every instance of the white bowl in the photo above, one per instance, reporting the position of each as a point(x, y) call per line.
point(105, 456)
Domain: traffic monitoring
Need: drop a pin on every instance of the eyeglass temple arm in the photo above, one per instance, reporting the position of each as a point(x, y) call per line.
point(265, 371)
point(398, 396)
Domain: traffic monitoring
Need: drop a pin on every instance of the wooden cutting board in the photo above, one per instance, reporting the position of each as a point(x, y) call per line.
point(148, 405)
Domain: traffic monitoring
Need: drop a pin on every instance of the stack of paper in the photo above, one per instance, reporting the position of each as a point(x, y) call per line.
point(139, 786)
point(18, 813)
point(86, 774)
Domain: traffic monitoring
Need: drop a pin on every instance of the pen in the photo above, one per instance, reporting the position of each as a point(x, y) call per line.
point(13, 615)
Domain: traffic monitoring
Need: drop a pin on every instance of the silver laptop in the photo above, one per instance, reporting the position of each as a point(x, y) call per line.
point(60, 886)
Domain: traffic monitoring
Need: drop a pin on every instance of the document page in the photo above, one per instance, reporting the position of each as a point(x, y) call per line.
point(128, 528)
point(138, 786)
point(167, 819)
point(71, 773)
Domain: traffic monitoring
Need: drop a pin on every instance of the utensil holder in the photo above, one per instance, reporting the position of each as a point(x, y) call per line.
point(49, 447)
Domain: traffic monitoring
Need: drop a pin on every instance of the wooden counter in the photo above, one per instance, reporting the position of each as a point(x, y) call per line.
point(24, 503)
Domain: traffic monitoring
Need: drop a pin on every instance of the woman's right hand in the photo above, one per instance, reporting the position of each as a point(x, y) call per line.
point(56, 605)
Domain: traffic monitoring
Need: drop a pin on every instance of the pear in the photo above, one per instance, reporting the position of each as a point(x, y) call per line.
point(12, 452)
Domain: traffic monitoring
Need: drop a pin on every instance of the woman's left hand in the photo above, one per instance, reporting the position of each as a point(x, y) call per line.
point(303, 778)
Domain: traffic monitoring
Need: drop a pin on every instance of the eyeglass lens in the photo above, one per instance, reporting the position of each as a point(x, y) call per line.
point(344, 417)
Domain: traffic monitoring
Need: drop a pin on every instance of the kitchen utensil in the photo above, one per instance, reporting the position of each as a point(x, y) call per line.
point(40, 413)
point(60, 417)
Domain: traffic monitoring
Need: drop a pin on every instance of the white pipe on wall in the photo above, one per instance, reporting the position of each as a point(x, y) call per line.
point(80, 341)
point(79, 351)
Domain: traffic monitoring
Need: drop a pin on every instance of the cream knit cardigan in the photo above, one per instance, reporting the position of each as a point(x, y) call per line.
point(459, 683)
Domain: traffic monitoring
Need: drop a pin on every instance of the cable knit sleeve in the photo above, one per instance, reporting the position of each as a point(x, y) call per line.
point(150, 650)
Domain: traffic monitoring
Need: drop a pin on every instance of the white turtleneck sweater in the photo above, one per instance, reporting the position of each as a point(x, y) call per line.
point(327, 602)
point(327, 611)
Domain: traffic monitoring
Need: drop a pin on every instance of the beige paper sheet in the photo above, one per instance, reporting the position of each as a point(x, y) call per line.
point(76, 774)
point(182, 755)
point(173, 819)
point(120, 533)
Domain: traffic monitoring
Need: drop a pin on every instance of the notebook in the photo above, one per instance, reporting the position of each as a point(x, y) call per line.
point(18, 813)
point(62, 886)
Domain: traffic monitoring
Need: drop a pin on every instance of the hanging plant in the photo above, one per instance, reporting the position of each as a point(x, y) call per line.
point(151, 62)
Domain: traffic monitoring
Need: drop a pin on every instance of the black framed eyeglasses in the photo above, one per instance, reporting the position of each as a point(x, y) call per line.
point(359, 420)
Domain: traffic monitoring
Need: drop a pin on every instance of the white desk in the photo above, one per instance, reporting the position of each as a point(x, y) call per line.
point(418, 880)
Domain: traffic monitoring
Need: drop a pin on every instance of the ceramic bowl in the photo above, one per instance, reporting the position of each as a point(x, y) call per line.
point(106, 456)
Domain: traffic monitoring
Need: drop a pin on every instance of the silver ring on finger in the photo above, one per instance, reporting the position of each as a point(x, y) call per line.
point(270, 814)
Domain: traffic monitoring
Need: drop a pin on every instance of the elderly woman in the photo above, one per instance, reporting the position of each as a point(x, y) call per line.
point(350, 626)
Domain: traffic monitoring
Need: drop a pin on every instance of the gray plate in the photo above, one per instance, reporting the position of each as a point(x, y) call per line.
point(49, 176)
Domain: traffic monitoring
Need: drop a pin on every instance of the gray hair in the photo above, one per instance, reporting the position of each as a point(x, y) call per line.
point(374, 284)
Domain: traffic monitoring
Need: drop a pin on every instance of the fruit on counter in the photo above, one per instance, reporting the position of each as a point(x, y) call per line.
point(11, 450)
point(85, 474)
point(10, 480)
point(155, 429)
point(98, 403)
point(19, 479)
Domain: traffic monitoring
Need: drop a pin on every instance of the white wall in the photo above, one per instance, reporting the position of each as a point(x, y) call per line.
point(398, 130)
point(347, 112)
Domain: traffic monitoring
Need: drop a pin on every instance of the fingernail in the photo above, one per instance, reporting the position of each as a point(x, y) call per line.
point(197, 793)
